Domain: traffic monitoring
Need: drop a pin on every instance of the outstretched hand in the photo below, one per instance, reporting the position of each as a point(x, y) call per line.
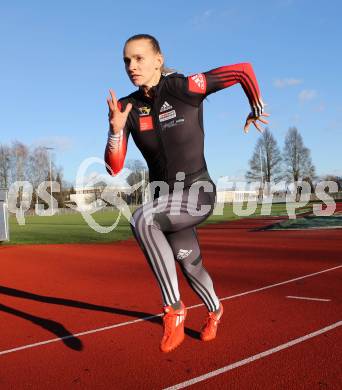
point(117, 119)
point(252, 119)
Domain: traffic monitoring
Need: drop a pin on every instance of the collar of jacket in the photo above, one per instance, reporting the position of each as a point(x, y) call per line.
point(156, 87)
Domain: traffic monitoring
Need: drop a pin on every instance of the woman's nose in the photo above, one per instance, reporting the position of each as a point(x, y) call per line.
point(132, 66)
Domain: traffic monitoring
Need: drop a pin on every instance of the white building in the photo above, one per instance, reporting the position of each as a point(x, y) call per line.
point(229, 196)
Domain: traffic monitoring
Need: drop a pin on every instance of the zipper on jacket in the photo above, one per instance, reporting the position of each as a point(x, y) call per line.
point(158, 127)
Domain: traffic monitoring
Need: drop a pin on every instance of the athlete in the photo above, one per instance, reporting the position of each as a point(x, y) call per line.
point(164, 117)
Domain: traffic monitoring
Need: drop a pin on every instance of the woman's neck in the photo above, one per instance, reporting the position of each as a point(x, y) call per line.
point(148, 90)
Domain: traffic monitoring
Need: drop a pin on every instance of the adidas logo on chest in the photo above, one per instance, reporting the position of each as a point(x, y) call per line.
point(166, 106)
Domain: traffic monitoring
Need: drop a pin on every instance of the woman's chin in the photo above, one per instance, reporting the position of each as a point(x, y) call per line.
point(137, 83)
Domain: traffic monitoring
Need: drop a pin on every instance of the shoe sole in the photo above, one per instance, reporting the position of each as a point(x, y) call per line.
point(211, 339)
point(174, 347)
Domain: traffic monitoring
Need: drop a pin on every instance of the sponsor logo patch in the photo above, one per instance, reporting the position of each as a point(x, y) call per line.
point(183, 253)
point(144, 110)
point(167, 115)
point(197, 83)
point(180, 318)
point(166, 106)
point(174, 122)
point(145, 123)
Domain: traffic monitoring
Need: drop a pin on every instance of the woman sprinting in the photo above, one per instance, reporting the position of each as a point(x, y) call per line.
point(165, 118)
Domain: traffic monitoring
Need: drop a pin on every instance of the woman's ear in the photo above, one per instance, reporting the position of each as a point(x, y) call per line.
point(160, 61)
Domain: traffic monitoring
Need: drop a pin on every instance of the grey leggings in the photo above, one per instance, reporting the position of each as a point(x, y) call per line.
point(165, 229)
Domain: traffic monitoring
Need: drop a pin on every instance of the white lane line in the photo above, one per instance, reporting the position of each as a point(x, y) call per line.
point(154, 316)
point(253, 358)
point(79, 334)
point(309, 299)
point(279, 284)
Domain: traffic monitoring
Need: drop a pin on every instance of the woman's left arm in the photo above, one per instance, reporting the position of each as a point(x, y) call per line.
point(226, 76)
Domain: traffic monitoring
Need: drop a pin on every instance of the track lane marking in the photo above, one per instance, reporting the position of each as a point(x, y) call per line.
point(309, 299)
point(253, 358)
point(280, 283)
point(27, 346)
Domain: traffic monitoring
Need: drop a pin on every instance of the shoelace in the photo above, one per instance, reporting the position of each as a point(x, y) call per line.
point(212, 317)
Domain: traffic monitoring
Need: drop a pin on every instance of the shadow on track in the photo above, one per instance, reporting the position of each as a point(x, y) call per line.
point(52, 326)
point(78, 304)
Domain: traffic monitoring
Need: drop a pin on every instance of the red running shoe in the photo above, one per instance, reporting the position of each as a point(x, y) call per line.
point(209, 329)
point(173, 321)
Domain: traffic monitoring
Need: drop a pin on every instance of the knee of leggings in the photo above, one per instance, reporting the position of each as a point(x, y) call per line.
point(190, 264)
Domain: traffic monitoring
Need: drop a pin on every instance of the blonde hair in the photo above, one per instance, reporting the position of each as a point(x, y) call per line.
point(156, 48)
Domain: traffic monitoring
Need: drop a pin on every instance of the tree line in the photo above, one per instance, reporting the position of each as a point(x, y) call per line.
point(292, 164)
point(268, 163)
point(18, 162)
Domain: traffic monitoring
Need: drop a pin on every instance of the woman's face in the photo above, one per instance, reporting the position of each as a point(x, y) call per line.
point(142, 63)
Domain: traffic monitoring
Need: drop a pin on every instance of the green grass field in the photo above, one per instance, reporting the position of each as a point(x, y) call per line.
point(310, 222)
point(72, 228)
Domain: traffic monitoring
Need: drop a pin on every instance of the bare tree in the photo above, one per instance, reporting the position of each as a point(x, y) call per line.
point(38, 165)
point(297, 159)
point(20, 153)
point(5, 165)
point(37, 168)
point(137, 167)
point(19, 158)
point(265, 164)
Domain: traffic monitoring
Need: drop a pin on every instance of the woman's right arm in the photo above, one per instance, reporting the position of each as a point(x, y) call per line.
point(118, 133)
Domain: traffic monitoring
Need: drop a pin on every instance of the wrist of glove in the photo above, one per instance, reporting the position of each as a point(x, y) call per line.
point(257, 110)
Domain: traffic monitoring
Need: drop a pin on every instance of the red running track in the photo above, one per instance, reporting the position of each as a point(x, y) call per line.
point(52, 294)
point(338, 209)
